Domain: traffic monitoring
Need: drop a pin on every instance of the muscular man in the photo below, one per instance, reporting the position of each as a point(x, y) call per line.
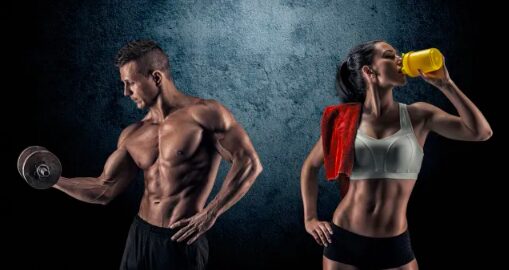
point(178, 145)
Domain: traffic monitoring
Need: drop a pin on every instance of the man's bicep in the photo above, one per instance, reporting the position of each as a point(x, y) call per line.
point(234, 142)
point(213, 116)
point(119, 167)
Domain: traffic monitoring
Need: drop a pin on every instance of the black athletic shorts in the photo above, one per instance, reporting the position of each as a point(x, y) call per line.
point(151, 247)
point(369, 252)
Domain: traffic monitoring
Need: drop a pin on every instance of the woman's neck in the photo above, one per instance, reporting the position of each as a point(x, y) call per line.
point(378, 101)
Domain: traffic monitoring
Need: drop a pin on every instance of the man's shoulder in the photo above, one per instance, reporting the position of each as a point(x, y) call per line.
point(211, 114)
point(209, 108)
point(132, 127)
point(209, 104)
point(126, 132)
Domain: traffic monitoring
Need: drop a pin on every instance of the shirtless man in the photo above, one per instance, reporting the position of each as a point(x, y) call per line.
point(178, 145)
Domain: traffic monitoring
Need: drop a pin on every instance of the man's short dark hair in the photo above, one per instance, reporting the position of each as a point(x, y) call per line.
point(147, 53)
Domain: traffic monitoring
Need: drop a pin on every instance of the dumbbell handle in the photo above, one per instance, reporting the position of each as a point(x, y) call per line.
point(43, 170)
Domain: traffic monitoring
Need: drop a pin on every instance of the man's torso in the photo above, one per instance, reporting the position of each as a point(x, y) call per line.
point(180, 163)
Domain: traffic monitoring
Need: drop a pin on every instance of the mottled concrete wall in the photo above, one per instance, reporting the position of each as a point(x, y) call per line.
point(272, 63)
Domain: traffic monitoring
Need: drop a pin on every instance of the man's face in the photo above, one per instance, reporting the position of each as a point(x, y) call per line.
point(141, 89)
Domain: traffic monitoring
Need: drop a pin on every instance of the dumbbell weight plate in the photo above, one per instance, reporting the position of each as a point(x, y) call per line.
point(28, 151)
point(41, 169)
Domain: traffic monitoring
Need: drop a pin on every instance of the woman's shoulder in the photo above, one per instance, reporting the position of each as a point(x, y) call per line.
point(420, 110)
point(422, 107)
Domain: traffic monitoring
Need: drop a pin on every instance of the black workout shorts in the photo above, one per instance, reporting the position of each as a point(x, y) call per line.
point(151, 247)
point(369, 252)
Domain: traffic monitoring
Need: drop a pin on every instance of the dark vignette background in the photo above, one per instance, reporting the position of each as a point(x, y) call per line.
point(273, 64)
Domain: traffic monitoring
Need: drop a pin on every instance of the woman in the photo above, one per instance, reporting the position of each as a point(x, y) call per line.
point(369, 226)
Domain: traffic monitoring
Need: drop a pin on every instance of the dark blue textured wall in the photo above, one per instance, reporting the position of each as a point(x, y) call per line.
point(272, 63)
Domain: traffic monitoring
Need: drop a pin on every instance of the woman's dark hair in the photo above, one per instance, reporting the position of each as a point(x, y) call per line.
point(349, 81)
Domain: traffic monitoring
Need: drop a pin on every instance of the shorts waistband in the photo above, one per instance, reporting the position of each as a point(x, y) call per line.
point(138, 221)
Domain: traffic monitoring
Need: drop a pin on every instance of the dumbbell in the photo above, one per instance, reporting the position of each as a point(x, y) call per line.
point(40, 168)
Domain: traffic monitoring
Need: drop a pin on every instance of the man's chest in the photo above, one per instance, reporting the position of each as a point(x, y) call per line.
point(171, 142)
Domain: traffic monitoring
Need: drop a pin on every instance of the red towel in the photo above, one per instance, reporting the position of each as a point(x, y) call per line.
point(339, 128)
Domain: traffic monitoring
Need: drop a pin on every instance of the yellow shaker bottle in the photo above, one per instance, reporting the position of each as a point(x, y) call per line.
point(426, 60)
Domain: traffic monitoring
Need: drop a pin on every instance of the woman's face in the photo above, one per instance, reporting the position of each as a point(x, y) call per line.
point(387, 66)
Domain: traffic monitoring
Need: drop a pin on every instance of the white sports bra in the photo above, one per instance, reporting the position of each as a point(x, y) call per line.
point(398, 156)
